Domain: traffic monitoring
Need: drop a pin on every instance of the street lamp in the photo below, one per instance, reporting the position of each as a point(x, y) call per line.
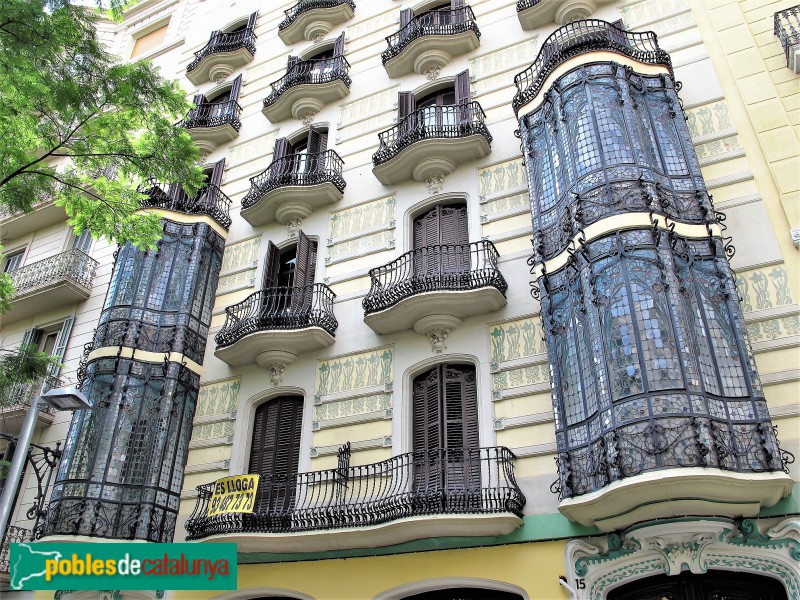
point(66, 398)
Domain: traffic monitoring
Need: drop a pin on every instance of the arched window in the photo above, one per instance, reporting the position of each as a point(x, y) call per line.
point(275, 452)
point(445, 434)
point(441, 237)
point(714, 584)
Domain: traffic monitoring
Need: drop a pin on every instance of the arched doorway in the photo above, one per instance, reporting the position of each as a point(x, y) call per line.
point(714, 585)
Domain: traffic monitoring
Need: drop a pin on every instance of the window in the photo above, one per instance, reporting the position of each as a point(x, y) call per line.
point(438, 112)
point(288, 279)
point(441, 238)
point(51, 340)
point(319, 64)
point(149, 41)
point(434, 17)
point(13, 261)
point(82, 242)
point(209, 112)
point(445, 433)
point(301, 157)
point(275, 452)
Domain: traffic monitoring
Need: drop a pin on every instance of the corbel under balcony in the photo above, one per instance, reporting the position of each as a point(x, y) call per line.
point(537, 13)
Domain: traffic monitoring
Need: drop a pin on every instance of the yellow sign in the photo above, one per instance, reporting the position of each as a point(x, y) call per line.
point(235, 494)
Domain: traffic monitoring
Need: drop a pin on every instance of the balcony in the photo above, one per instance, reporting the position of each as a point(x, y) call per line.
point(580, 37)
point(435, 287)
point(16, 405)
point(430, 40)
point(430, 141)
point(210, 200)
point(292, 187)
point(212, 124)
point(307, 86)
point(668, 466)
point(15, 224)
point(222, 55)
point(309, 19)
point(51, 283)
point(536, 13)
point(276, 325)
point(787, 28)
point(14, 535)
point(421, 494)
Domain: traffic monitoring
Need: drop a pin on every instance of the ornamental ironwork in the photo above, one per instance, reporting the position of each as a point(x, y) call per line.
point(209, 200)
point(787, 28)
point(630, 153)
point(578, 38)
point(309, 72)
point(296, 170)
point(526, 4)
point(21, 395)
point(14, 535)
point(213, 114)
point(279, 308)
point(651, 365)
point(306, 5)
point(469, 481)
point(225, 42)
point(457, 267)
point(454, 121)
point(73, 265)
point(445, 21)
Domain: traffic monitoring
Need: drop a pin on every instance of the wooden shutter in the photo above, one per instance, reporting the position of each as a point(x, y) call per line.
point(199, 99)
point(251, 20)
point(280, 151)
point(32, 336)
point(272, 265)
point(305, 265)
point(236, 87)
point(82, 242)
point(405, 104)
point(216, 173)
point(275, 453)
point(427, 433)
point(338, 46)
point(463, 96)
point(58, 351)
point(406, 15)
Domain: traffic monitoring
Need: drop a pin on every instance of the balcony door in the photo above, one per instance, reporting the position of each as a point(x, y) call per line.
point(275, 454)
point(297, 163)
point(445, 437)
point(441, 243)
point(438, 113)
point(287, 282)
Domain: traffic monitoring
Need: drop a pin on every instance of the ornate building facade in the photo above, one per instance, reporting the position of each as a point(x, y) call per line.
point(499, 300)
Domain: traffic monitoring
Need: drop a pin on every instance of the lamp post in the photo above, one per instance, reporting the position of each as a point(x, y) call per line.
point(66, 398)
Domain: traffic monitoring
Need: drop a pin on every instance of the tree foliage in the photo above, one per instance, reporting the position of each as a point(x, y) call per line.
point(83, 128)
point(20, 366)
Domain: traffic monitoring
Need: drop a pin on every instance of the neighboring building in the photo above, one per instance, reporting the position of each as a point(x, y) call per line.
point(437, 408)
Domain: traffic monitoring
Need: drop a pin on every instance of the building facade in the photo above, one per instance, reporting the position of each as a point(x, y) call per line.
point(499, 300)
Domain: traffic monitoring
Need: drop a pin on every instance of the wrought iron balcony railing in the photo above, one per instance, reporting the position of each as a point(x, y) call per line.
point(526, 4)
point(425, 482)
point(296, 169)
point(578, 38)
point(22, 394)
point(314, 71)
point(660, 442)
point(279, 308)
point(457, 267)
point(210, 200)
point(306, 5)
point(14, 535)
point(787, 28)
point(225, 42)
point(74, 265)
point(433, 122)
point(436, 22)
point(213, 114)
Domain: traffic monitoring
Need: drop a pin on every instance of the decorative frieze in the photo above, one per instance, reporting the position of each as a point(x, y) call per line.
point(502, 177)
point(354, 371)
point(218, 398)
point(760, 289)
point(516, 339)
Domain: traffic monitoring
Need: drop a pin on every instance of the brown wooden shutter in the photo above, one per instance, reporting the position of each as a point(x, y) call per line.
point(216, 173)
point(317, 144)
point(463, 97)
point(236, 87)
point(275, 453)
point(272, 265)
point(251, 20)
point(405, 104)
point(406, 15)
point(306, 259)
point(279, 166)
point(199, 99)
point(427, 432)
point(338, 46)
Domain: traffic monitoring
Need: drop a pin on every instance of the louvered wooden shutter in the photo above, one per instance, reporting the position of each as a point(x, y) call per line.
point(236, 87)
point(338, 46)
point(272, 265)
point(460, 403)
point(405, 104)
point(454, 237)
point(59, 350)
point(32, 336)
point(317, 143)
point(303, 273)
point(463, 96)
point(427, 433)
point(216, 173)
point(279, 167)
point(199, 99)
point(275, 453)
point(458, 16)
point(406, 15)
point(83, 242)
point(251, 20)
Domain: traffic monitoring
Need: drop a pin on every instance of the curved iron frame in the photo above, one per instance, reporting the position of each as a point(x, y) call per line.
point(460, 20)
point(225, 42)
point(298, 9)
point(309, 72)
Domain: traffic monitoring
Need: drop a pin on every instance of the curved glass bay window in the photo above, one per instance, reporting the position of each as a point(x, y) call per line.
point(648, 351)
point(122, 469)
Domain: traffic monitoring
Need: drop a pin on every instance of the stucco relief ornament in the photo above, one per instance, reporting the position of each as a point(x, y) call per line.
point(276, 372)
point(318, 38)
point(308, 118)
point(220, 78)
point(292, 227)
point(433, 73)
point(437, 338)
point(435, 183)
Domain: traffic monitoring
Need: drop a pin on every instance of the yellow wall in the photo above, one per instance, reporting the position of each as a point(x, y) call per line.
point(533, 567)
